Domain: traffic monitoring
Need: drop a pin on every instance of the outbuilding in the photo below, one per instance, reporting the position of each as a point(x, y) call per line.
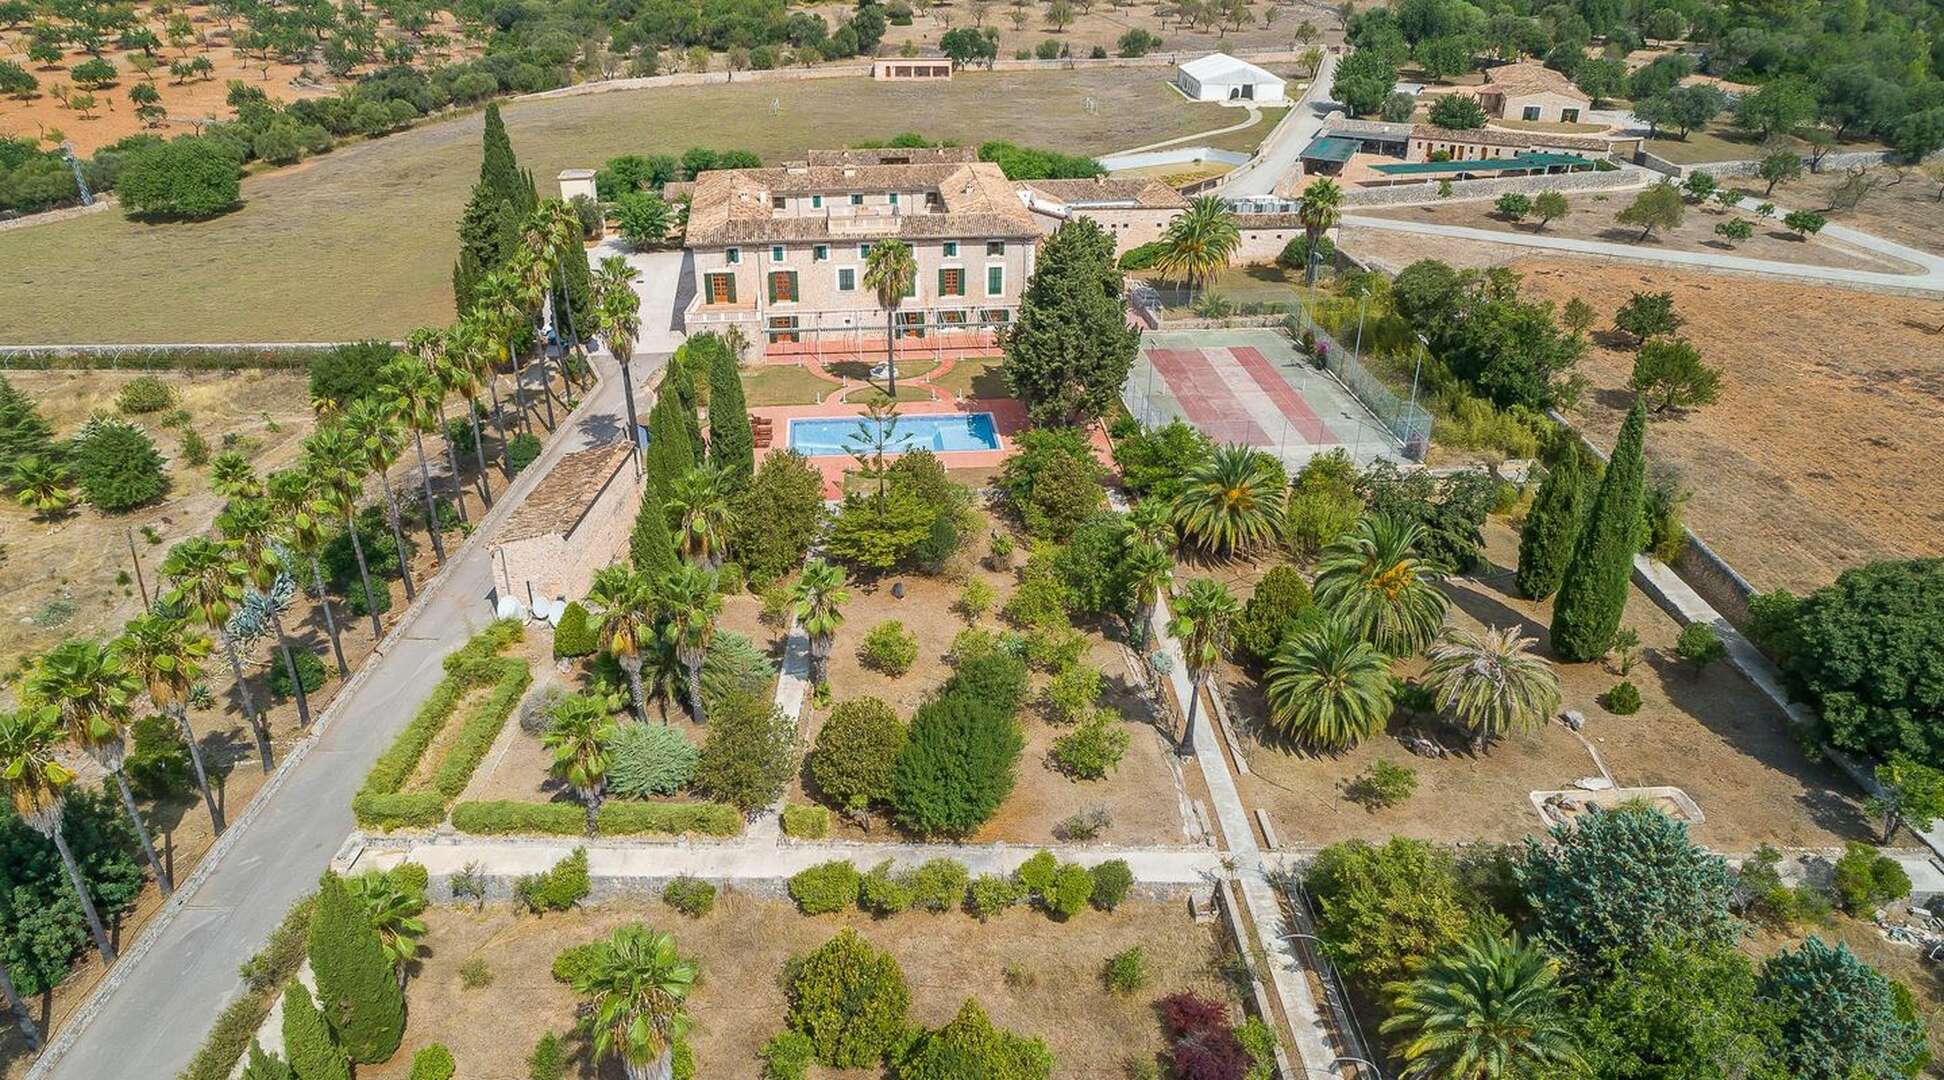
point(1221, 77)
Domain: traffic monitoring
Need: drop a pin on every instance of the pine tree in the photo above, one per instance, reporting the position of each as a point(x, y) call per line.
point(357, 989)
point(314, 1055)
point(265, 1066)
point(732, 446)
point(23, 432)
point(1593, 594)
point(1553, 524)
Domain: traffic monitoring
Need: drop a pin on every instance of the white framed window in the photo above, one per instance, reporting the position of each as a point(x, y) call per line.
point(847, 279)
point(1530, 112)
point(894, 198)
point(856, 199)
point(816, 202)
point(776, 252)
point(995, 280)
point(995, 248)
point(951, 249)
point(863, 251)
point(732, 256)
point(820, 253)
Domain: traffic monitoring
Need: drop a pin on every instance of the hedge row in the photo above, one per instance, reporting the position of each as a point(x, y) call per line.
point(160, 360)
point(380, 804)
point(617, 818)
point(266, 973)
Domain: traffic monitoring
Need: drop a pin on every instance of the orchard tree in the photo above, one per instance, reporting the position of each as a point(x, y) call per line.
point(1804, 223)
point(1668, 372)
point(1658, 207)
point(1547, 206)
point(1646, 315)
point(1734, 230)
point(1458, 112)
point(1778, 167)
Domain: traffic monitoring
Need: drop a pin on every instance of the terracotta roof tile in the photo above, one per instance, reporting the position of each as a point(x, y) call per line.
point(557, 503)
point(975, 199)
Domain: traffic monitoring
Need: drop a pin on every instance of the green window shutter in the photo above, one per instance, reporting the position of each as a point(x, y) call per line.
point(770, 281)
point(796, 295)
point(732, 287)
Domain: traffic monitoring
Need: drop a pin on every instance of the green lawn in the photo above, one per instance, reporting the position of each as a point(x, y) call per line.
point(974, 379)
point(1250, 137)
point(784, 384)
point(360, 242)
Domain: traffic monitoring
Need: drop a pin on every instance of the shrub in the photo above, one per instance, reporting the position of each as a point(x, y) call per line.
point(117, 466)
point(574, 962)
point(889, 648)
point(307, 1038)
point(650, 759)
point(970, 1046)
point(958, 764)
point(357, 989)
point(689, 895)
point(310, 672)
point(1052, 481)
point(1070, 695)
point(1082, 825)
point(850, 999)
point(1865, 879)
point(1071, 890)
point(1203, 1042)
point(549, 1059)
point(504, 817)
point(1383, 909)
point(1296, 254)
point(1864, 650)
point(1155, 464)
point(377, 601)
point(1055, 648)
point(788, 1056)
point(1125, 971)
point(825, 888)
point(751, 752)
point(186, 177)
point(1382, 785)
point(1035, 875)
point(882, 892)
point(938, 885)
point(433, 1063)
point(806, 822)
point(194, 449)
point(995, 678)
point(521, 450)
point(990, 894)
point(145, 395)
point(1700, 645)
point(576, 635)
point(158, 765)
point(1278, 601)
point(1112, 880)
point(558, 889)
point(475, 973)
point(778, 518)
point(1623, 699)
point(1093, 749)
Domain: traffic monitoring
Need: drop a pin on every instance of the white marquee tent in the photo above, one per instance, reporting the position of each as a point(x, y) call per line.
point(1221, 77)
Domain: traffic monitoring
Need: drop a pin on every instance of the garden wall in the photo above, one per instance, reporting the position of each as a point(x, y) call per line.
point(1747, 166)
point(1409, 194)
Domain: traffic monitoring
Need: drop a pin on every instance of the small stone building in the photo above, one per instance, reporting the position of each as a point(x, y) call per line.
point(1532, 91)
point(1133, 210)
point(573, 523)
point(900, 69)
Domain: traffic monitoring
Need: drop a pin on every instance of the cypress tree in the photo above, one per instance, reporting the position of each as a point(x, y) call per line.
point(651, 547)
point(670, 451)
point(732, 445)
point(1593, 593)
point(1553, 524)
point(23, 431)
point(499, 170)
point(357, 989)
point(264, 1066)
point(314, 1055)
point(1071, 349)
point(681, 383)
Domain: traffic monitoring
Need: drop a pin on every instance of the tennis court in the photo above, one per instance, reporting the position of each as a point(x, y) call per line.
point(1252, 387)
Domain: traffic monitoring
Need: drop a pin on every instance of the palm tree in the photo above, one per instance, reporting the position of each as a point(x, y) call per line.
point(1372, 579)
point(1328, 687)
point(381, 436)
point(626, 601)
point(533, 270)
point(468, 372)
point(499, 310)
point(1150, 571)
point(24, 1020)
point(1320, 207)
point(290, 493)
point(1151, 522)
point(1200, 241)
point(209, 576)
point(413, 395)
point(633, 994)
point(564, 227)
point(820, 596)
point(251, 522)
point(89, 686)
point(690, 602)
point(231, 475)
point(393, 912)
point(1231, 501)
point(44, 485)
point(337, 460)
point(581, 735)
point(891, 272)
point(168, 658)
point(1486, 1009)
point(35, 784)
point(1493, 683)
point(1204, 620)
point(617, 318)
point(450, 371)
point(701, 506)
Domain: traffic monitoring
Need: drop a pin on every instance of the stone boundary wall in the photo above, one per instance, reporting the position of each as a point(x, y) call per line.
point(1411, 194)
point(1747, 166)
point(49, 217)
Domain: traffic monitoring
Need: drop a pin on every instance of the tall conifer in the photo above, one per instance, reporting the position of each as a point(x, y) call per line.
point(357, 989)
point(732, 445)
point(1593, 594)
point(1553, 523)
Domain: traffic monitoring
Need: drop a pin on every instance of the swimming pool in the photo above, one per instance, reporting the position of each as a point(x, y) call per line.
point(839, 435)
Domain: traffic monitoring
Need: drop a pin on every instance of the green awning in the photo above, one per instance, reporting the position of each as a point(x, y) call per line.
point(1517, 161)
point(1328, 148)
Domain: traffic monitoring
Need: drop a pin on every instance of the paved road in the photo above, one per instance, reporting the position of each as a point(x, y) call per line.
point(1280, 150)
point(1931, 279)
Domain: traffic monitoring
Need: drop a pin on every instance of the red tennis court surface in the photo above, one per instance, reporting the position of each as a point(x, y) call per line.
point(1205, 382)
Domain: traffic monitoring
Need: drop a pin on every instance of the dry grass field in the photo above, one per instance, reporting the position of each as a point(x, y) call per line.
point(1902, 204)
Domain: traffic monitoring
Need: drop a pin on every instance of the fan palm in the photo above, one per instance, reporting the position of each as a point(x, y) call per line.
point(564, 226)
point(1204, 622)
point(617, 318)
point(456, 367)
point(393, 912)
point(633, 994)
point(290, 494)
point(167, 656)
point(380, 435)
point(1230, 501)
point(44, 485)
point(1486, 1009)
point(1150, 571)
point(208, 577)
point(251, 523)
point(1319, 208)
point(1151, 522)
point(413, 394)
point(427, 346)
point(690, 605)
point(820, 596)
point(36, 788)
point(1329, 688)
point(337, 463)
point(626, 600)
point(1492, 683)
point(481, 353)
point(1372, 579)
point(532, 267)
point(701, 507)
point(232, 475)
point(891, 272)
point(1199, 242)
point(500, 307)
point(89, 686)
point(581, 735)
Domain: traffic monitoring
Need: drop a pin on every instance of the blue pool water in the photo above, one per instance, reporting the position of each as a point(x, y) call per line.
point(839, 435)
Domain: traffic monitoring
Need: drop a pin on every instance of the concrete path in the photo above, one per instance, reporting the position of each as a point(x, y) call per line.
point(664, 286)
point(1281, 149)
point(1931, 279)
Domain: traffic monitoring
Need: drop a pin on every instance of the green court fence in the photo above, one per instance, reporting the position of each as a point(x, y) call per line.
point(1408, 421)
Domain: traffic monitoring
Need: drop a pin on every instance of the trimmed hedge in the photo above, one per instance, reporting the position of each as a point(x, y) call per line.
point(505, 816)
point(380, 804)
point(806, 822)
point(265, 975)
point(136, 358)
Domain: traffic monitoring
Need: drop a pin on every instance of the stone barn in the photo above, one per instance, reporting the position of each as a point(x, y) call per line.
point(575, 522)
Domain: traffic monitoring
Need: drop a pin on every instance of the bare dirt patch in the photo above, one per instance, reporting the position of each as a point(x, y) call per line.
point(1054, 990)
point(1708, 733)
point(1908, 212)
point(1817, 456)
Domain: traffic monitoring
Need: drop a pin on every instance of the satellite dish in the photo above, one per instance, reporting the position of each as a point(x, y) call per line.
point(509, 608)
point(550, 611)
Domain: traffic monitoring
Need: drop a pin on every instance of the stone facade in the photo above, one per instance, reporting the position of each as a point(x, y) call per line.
point(1411, 194)
point(576, 521)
